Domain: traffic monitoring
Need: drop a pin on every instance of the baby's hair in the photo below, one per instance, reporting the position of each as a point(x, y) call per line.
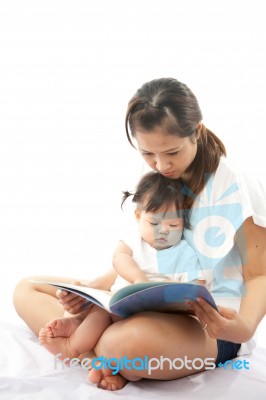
point(155, 191)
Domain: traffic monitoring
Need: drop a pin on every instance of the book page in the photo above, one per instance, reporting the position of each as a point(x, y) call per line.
point(97, 296)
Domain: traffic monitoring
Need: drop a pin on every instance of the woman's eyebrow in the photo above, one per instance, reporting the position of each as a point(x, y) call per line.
point(165, 151)
point(174, 149)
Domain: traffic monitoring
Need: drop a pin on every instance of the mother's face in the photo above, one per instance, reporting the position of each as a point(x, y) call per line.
point(168, 154)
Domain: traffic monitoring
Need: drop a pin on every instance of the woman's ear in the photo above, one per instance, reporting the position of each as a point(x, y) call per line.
point(198, 131)
point(137, 214)
point(194, 138)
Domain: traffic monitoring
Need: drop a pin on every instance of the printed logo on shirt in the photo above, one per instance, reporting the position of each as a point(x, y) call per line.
point(215, 219)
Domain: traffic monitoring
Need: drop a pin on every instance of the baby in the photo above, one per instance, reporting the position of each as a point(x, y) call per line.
point(156, 253)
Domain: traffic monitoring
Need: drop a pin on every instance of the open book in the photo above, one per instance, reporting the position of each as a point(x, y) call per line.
point(148, 296)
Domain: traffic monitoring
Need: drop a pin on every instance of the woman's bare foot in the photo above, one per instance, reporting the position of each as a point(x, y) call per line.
point(63, 327)
point(105, 380)
point(59, 346)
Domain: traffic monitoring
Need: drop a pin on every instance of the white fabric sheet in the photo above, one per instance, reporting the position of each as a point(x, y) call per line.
point(27, 372)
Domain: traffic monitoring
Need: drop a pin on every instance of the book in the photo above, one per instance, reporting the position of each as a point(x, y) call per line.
point(149, 296)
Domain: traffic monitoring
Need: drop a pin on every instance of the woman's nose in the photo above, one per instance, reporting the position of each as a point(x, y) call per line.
point(162, 165)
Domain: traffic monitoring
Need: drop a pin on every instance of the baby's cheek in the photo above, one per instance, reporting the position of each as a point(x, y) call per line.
point(155, 230)
point(175, 235)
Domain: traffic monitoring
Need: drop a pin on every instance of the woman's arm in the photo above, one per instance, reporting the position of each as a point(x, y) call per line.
point(228, 324)
point(125, 265)
point(103, 282)
point(251, 242)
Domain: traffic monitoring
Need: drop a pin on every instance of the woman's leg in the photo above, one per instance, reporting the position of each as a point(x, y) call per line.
point(36, 303)
point(157, 336)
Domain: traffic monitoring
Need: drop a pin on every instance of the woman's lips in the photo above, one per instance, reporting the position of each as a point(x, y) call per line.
point(167, 174)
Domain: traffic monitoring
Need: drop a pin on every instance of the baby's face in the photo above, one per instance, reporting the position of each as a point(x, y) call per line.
point(162, 229)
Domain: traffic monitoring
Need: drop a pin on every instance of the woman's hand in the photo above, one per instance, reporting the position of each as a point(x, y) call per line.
point(75, 304)
point(71, 302)
point(226, 324)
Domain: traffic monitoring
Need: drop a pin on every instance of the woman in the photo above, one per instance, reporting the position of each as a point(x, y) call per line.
point(228, 232)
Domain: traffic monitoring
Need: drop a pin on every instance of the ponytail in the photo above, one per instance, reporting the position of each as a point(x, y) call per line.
point(209, 151)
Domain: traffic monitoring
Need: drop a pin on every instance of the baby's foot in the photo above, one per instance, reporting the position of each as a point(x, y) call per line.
point(63, 327)
point(59, 346)
point(105, 380)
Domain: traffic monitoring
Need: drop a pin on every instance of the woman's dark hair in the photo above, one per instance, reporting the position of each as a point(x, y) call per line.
point(170, 104)
point(155, 191)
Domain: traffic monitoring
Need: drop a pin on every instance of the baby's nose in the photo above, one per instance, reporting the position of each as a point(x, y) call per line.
point(163, 229)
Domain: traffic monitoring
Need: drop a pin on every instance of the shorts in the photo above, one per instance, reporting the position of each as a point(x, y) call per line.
point(226, 351)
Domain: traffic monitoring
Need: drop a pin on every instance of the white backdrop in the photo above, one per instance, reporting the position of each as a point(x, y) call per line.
point(67, 71)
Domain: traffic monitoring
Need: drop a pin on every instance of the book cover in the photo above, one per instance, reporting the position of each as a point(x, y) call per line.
point(148, 296)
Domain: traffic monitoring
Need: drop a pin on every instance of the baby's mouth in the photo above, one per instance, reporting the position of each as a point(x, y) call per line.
point(161, 240)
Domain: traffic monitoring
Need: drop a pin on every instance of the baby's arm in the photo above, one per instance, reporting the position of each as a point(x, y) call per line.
point(125, 266)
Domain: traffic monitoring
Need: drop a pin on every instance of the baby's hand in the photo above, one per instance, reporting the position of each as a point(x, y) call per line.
point(201, 282)
point(70, 301)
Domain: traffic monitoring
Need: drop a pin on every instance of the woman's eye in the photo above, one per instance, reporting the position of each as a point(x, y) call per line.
point(146, 154)
point(173, 226)
point(173, 154)
point(153, 223)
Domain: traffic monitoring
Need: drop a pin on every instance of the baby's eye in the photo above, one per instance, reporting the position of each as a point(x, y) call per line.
point(173, 226)
point(154, 223)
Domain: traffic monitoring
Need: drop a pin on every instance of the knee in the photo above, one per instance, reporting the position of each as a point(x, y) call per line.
point(129, 336)
point(22, 290)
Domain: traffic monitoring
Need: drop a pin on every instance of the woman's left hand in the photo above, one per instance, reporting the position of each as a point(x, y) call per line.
point(227, 324)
